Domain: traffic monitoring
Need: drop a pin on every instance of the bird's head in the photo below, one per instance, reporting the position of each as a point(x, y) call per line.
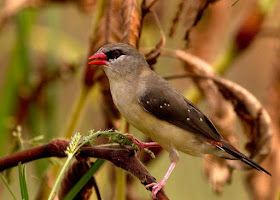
point(119, 60)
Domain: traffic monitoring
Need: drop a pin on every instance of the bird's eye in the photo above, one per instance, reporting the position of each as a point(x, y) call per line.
point(116, 53)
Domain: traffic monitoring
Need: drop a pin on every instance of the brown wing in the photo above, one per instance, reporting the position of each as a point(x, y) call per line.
point(166, 104)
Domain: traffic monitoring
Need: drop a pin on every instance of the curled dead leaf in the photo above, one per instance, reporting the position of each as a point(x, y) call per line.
point(72, 175)
point(107, 29)
point(131, 24)
point(152, 56)
point(194, 13)
point(176, 18)
point(254, 118)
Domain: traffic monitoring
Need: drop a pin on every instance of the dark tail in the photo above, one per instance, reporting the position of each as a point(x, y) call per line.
point(235, 153)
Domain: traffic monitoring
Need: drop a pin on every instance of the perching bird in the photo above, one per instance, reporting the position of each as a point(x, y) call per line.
point(153, 106)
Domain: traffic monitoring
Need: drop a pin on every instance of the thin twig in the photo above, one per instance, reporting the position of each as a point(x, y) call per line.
point(152, 56)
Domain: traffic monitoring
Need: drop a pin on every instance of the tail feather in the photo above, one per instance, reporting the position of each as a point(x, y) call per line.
point(235, 153)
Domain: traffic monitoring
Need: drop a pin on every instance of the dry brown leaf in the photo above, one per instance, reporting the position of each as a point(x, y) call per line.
point(261, 187)
point(86, 6)
point(106, 30)
point(217, 172)
point(152, 56)
point(72, 175)
point(176, 18)
point(222, 116)
point(256, 120)
point(194, 13)
point(254, 117)
point(131, 20)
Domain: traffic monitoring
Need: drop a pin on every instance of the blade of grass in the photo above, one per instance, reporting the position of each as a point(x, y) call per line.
point(8, 187)
point(17, 74)
point(85, 178)
point(73, 149)
point(22, 181)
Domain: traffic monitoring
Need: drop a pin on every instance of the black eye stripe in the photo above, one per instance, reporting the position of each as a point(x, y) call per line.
point(114, 54)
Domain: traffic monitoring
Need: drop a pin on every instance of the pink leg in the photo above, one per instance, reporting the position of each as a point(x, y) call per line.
point(141, 145)
point(158, 186)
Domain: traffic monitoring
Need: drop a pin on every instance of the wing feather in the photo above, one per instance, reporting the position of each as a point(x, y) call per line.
point(172, 107)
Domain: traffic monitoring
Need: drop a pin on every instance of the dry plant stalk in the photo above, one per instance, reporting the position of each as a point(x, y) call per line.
point(255, 119)
point(106, 30)
point(261, 187)
point(131, 22)
point(152, 56)
point(176, 18)
point(217, 170)
point(194, 13)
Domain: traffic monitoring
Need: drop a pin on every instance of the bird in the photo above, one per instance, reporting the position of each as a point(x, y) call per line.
point(154, 107)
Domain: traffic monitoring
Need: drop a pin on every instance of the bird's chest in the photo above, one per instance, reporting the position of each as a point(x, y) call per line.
point(125, 97)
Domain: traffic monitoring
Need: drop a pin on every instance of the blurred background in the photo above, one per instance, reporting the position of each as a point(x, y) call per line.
point(45, 45)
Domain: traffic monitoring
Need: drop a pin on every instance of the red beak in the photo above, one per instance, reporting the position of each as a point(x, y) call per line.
point(98, 59)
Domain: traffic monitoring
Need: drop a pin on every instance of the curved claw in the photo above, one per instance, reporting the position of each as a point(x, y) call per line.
point(156, 188)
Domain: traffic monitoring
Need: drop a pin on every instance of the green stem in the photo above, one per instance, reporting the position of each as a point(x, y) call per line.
point(60, 175)
point(72, 154)
point(120, 173)
point(7, 185)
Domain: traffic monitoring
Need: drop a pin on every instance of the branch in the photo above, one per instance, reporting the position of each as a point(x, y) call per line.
point(120, 155)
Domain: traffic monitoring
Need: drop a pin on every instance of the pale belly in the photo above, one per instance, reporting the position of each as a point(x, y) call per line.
point(166, 134)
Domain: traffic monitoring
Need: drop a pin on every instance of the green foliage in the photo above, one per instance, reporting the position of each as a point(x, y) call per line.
point(74, 147)
point(85, 178)
point(22, 181)
point(8, 187)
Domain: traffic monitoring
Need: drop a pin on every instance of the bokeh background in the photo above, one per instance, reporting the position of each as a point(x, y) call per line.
point(43, 55)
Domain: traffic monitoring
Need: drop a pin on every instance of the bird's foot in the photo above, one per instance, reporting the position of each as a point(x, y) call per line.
point(141, 145)
point(156, 188)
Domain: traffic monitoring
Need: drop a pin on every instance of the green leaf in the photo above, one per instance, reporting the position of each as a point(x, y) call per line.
point(85, 178)
point(7, 185)
point(22, 181)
